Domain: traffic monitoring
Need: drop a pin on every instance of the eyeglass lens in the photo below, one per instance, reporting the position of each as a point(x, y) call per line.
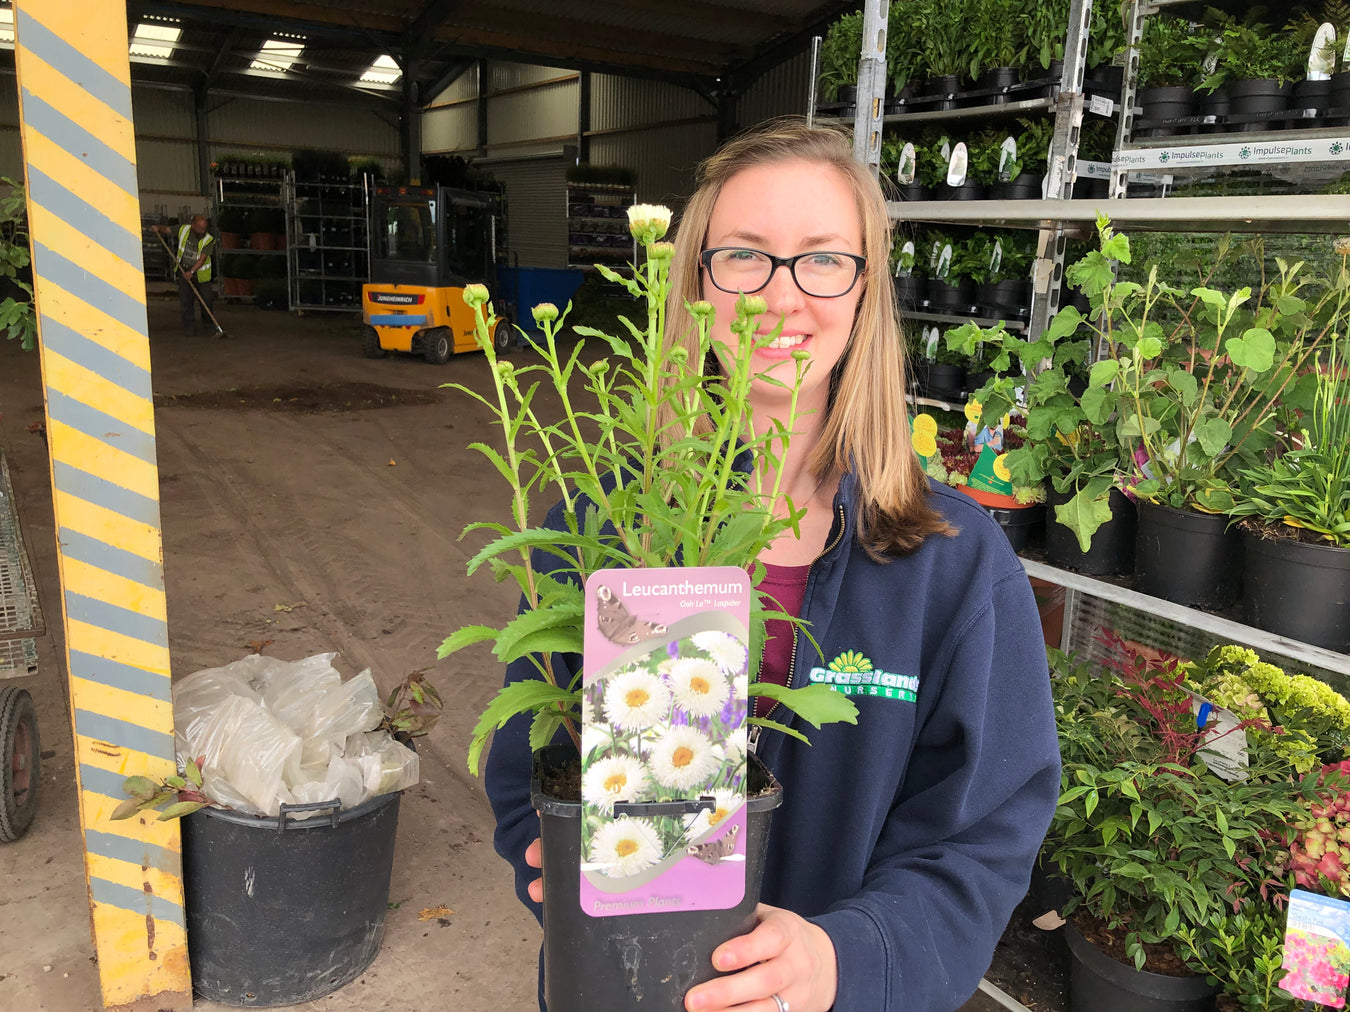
point(824, 275)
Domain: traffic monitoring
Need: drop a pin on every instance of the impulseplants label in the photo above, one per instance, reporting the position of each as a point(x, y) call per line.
point(665, 699)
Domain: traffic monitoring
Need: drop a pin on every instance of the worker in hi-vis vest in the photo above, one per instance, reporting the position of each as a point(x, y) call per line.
point(195, 250)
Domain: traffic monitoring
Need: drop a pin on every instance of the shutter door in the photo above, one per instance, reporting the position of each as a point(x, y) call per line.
point(536, 210)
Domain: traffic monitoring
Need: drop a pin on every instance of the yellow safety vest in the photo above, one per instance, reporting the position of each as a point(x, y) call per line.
point(184, 233)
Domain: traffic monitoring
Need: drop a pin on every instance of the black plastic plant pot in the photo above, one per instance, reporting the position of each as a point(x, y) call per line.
point(976, 380)
point(1005, 298)
point(1020, 525)
point(1298, 590)
point(1260, 95)
point(946, 86)
point(281, 911)
point(1215, 104)
point(1053, 76)
point(996, 77)
point(1112, 548)
point(1090, 189)
point(847, 94)
point(1314, 95)
point(646, 960)
point(955, 298)
point(945, 382)
point(969, 190)
point(912, 191)
point(1105, 79)
point(1025, 186)
point(1187, 557)
point(1097, 983)
point(1158, 104)
point(909, 291)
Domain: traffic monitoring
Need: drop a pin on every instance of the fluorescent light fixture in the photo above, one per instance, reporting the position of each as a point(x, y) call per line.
point(155, 38)
point(383, 71)
point(278, 54)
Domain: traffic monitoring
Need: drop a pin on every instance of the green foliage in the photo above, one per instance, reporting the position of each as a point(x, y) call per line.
point(996, 34)
point(644, 455)
point(940, 28)
point(931, 166)
point(18, 319)
point(1046, 27)
point(839, 55)
point(983, 150)
point(1169, 52)
point(1243, 953)
point(1250, 50)
point(180, 793)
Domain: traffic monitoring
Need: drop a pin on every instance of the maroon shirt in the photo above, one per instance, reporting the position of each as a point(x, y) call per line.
point(787, 586)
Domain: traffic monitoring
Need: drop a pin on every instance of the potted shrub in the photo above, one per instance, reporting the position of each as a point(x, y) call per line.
point(1169, 58)
point(1158, 846)
point(998, 44)
point(1297, 527)
point(631, 502)
point(1255, 66)
point(839, 56)
point(909, 286)
point(1199, 376)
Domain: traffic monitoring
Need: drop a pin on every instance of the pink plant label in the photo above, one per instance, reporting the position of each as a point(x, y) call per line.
point(663, 773)
point(1315, 950)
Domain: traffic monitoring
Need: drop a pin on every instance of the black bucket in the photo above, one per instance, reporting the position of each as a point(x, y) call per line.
point(1097, 983)
point(1112, 547)
point(646, 961)
point(1298, 590)
point(281, 912)
point(1187, 557)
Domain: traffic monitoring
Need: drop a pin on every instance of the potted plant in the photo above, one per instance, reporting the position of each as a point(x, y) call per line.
point(1255, 66)
point(948, 290)
point(1158, 845)
point(631, 500)
point(909, 286)
point(900, 163)
point(1045, 41)
point(1021, 175)
point(839, 56)
point(945, 49)
point(998, 43)
point(1297, 524)
point(1006, 288)
point(1169, 59)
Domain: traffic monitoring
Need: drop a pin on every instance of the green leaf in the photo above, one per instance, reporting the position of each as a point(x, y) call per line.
point(1084, 514)
point(1185, 385)
point(194, 773)
point(1149, 347)
point(1090, 804)
point(1213, 435)
point(1103, 372)
point(175, 782)
point(182, 808)
point(545, 725)
point(816, 704)
point(1066, 321)
point(140, 787)
point(1098, 403)
point(127, 809)
point(525, 696)
point(1254, 350)
point(465, 636)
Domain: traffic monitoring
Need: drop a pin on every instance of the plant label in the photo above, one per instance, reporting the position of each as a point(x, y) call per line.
point(665, 697)
point(930, 343)
point(946, 150)
point(1322, 56)
point(908, 165)
point(904, 264)
point(1225, 744)
point(1316, 955)
point(1007, 155)
point(956, 165)
point(996, 257)
point(1100, 105)
point(944, 262)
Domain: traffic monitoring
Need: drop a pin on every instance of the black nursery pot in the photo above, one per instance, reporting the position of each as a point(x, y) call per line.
point(969, 190)
point(1112, 547)
point(909, 291)
point(1020, 525)
point(1188, 558)
point(1097, 983)
point(996, 77)
point(1262, 95)
point(945, 85)
point(643, 961)
point(945, 382)
point(1338, 100)
point(912, 191)
point(1298, 590)
point(1053, 76)
point(1314, 95)
point(1009, 297)
point(1026, 186)
point(1157, 104)
point(957, 298)
point(1105, 80)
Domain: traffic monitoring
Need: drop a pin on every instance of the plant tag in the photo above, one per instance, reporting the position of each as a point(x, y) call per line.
point(944, 262)
point(908, 165)
point(1322, 56)
point(923, 437)
point(930, 343)
point(665, 698)
point(1007, 154)
point(904, 264)
point(956, 166)
point(990, 473)
point(996, 257)
point(946, 150)
point(1315, 950)
point(1225, 745)
point(1100, 105)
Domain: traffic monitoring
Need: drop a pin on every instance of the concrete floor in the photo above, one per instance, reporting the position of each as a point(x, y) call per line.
point(319, 532)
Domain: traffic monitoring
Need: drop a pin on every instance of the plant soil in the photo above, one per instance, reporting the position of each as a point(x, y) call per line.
point(1159, 958)
point(1284, 532)
point(308, 400)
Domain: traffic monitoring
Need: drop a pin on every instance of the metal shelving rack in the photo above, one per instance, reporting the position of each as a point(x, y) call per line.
point(239, 193)
point(595, 212)
point(328, 244)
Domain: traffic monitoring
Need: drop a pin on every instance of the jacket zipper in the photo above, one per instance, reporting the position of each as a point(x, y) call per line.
point(753, 741)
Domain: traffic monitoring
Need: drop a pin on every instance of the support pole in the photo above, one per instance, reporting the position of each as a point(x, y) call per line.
point(871, 85)
point(84, 225)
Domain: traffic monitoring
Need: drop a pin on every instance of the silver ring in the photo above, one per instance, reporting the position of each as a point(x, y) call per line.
point(782, 1005)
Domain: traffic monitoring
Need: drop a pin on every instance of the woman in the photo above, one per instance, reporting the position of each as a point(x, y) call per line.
point(903, 843)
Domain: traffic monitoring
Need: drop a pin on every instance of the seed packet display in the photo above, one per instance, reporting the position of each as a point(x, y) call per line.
point(1315, 950)
point(663, 772)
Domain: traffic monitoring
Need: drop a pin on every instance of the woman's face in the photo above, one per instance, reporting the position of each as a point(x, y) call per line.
point(786, 208)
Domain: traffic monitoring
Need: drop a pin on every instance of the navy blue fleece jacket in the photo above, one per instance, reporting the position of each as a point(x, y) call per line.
point(910, 837)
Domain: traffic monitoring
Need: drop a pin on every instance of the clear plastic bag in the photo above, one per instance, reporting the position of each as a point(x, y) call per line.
point(343, 780)
point(293, 691)
point(248, 747)
point(389, 766)
point(196, 696)
point(346, 709)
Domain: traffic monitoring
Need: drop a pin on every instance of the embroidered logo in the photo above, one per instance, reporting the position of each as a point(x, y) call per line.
point(852, 674)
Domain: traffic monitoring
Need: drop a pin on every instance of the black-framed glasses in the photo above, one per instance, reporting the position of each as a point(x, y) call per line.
point(822, 274)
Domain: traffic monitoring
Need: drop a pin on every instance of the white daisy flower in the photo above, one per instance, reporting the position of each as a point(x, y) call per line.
point(625, 847)
point(727, 651)
point(683, 758)
point(699, 686)
point(587, 708)
point(614, 778)
point(727, 804)
point(636, 699)
point(736, 744)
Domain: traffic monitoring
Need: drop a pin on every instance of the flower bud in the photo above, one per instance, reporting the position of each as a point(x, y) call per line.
point(600, 368)
point(661, 251)
point(545, 312)
point(751, 305)
point(475, 295)
point(648, 222)
point(1342, 246)
point(800, 355)
point(505, 369)
point(701, 310)
point(679, 356)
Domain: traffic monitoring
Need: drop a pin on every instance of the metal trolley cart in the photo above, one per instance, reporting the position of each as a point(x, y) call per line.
point(20, 626)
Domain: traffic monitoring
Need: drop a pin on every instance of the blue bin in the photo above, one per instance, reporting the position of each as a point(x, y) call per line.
point(526, 287)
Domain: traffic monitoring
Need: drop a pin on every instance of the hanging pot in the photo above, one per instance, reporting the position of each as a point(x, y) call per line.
point(1025, 186)
point(1112, 548)
point(1097, 983)
point(1157, 105)
point(652, 958)
point(1187, 557)
point(1298, 590)
point(909, 291)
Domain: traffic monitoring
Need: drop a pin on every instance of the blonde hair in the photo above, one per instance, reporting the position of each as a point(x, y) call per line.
point(866, 425)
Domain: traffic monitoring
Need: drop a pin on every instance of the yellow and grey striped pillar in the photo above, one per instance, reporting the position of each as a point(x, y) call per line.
point(84, 226)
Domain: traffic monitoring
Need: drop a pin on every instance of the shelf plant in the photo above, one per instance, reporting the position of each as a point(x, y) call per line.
point(996, 35)
point(839, 55)
point(1248, 50)
point(16, 310)
point(1169, 53)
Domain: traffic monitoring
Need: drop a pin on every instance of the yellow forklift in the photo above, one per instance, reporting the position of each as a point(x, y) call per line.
point(427, 244)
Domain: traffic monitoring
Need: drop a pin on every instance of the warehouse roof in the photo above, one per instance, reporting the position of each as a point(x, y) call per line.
point(285, 47)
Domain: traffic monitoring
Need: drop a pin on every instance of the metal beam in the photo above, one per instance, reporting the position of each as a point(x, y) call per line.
point(584, 118)
point(449, 76)
point(776, 51)
point(422, 32)
point(79, 143)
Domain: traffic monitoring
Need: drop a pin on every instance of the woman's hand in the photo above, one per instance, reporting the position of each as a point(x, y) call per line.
point(534, 857)
point(784, 955)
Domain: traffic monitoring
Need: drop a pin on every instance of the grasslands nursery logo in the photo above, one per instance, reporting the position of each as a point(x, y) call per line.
point(852, 674)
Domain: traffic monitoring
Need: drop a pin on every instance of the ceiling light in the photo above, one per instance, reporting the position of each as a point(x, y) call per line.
point(383, 71)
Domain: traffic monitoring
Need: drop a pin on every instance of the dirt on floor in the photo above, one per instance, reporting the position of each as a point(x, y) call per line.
point(311, 500)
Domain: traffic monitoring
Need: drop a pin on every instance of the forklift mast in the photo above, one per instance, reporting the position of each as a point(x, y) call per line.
point(436, 236)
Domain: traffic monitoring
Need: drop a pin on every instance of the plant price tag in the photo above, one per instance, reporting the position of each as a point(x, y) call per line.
point(1225, 744)
point(956, 167)
point(665, 697)
point(1322, 56)
point(908, 165)
point(1315, 950)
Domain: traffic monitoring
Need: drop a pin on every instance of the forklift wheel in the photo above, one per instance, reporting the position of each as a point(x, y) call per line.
point(370, 343)
point(437, 345)
point(19, 756)
point(501, 337)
